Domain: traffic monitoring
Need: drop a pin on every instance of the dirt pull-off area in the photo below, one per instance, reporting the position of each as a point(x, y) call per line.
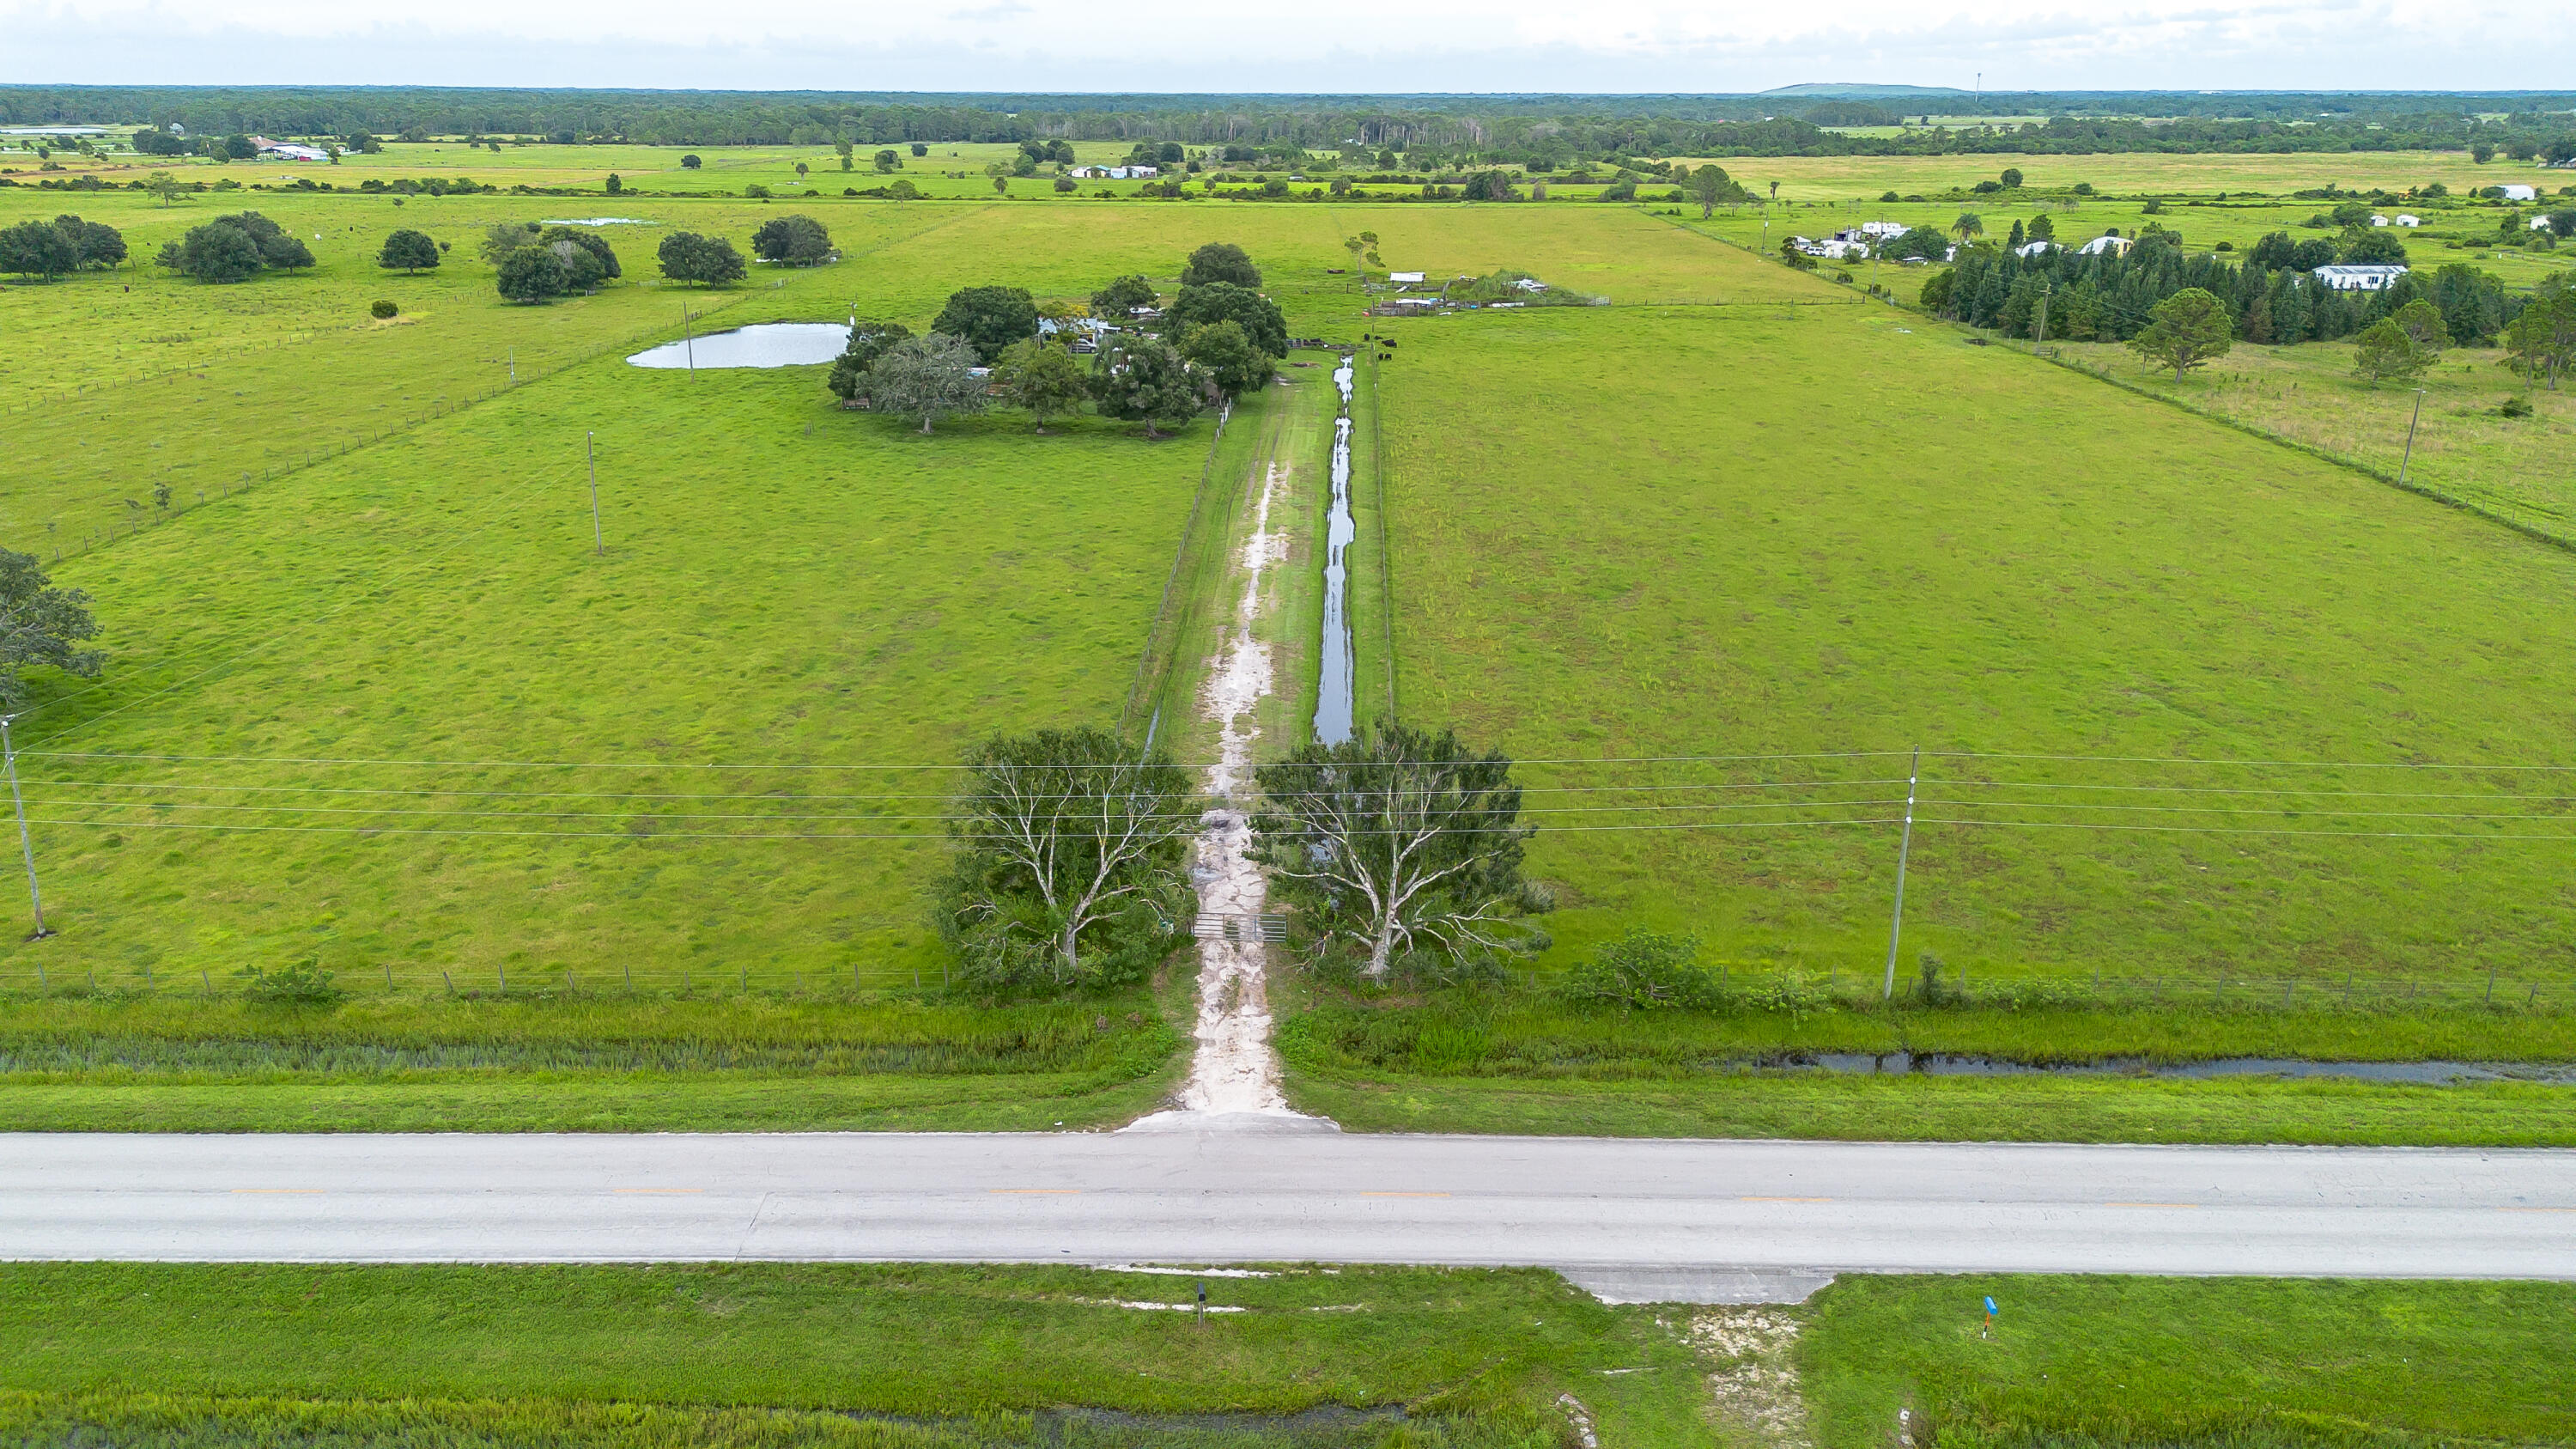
point(1753, 1381)
point(1234, 1076)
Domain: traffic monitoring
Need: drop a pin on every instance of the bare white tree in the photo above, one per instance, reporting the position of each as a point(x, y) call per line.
point(1070, 847)
point(1398, 842)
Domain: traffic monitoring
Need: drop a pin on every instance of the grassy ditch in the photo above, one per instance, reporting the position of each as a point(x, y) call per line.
point(2077, 1362)
point(758, 1354)
point(1473, 1062)
point(563, 1063)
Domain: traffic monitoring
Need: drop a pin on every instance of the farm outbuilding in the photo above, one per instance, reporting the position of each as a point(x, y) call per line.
point(2359, 278)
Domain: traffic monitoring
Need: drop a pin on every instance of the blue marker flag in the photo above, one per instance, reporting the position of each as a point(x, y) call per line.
point(1991, 1309)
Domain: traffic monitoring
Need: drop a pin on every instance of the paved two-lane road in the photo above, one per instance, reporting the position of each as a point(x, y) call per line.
point(1192, 1196)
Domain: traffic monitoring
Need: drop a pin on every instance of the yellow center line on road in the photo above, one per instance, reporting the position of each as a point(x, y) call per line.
point(1036, 1191)
point(1784, 1199)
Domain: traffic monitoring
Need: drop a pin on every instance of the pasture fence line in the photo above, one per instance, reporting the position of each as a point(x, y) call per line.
point(1736, 987)
point(2325, 455)
point(1161, 654)
point(290, 461)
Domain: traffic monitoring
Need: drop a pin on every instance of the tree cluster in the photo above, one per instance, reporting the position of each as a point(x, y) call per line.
point(50, 249)
point(534, 264)
point(795, 241)
point(234, 249)
point(687, 256)
point(2111, 297)
point(407, 250)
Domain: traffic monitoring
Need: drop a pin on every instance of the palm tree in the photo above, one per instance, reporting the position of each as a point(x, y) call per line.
point(1969, 224)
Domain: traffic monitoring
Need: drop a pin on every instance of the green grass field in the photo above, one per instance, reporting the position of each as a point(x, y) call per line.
point(1315, 1358)
point(1715, 640)
point(386, 710)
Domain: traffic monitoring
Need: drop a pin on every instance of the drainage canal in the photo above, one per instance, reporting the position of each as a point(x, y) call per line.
point(1333, 684)
point(769, 344)
point(1944, 1064)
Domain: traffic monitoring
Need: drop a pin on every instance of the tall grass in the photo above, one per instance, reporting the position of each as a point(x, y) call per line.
point(147, 1420)
point(62, 1038)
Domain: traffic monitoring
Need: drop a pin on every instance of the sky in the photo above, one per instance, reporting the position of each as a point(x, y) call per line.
point(1323, 45)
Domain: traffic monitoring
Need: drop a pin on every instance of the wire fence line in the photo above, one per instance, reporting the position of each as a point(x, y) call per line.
point(1741, 987)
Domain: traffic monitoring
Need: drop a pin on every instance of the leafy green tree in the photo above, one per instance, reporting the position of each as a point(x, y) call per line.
point(1208, 302)
point(1142, 379)
point(2043, 228)
point(1043, 379)
point(2185, 331)
point(94, 244)
point(1226, 359)
point(218, 251)
point(2543, 337)
point(1710, 185)
point(382, 311)
point(888, 161)
point(1936, 292)
point(617, 184)
point(1490, 186)
point(166, 187)
point(2384, 351)
point(1069, 861)
point(502, 238)
point(844, 150)
point(1399, 851)
point(989, 318)
point(2422, 322)
point(1969, 224)
point(690, 163)
point(2011, 178)
point(796, 241)
point(2482, 153)
point(1221, 262)
point(37, 249)
point(2371, 246)
point(927, 377)
point(868, 342)
point(531, 275)
point(409, 251)
point(687, 256)
point(41, 626)
point(1121, 298)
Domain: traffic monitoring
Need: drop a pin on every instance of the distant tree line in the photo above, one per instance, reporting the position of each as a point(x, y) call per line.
point(2273, 297)
point(1453, 131)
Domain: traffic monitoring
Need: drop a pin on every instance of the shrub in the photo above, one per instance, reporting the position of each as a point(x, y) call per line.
point(381, 311)
point(303, 984)
point(2514, 407)
point(1645, 970)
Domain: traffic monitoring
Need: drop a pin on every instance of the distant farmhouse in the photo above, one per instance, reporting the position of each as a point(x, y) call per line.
point(2359, 278)
point(291, 152)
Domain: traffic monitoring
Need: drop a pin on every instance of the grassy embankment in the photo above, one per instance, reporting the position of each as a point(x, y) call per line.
point(564, 1060)
point(974, 1356)
point(764, 1354)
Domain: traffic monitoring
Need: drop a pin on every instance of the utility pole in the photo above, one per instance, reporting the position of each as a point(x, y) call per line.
point(689, 341)
point(2044, 289)
point(598, 541)
point(2410, 438)
point(1904, 847)
point(513, 356)
point(26, 843)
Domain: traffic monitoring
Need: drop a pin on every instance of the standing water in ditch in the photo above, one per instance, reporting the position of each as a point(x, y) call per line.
point(1333, 683)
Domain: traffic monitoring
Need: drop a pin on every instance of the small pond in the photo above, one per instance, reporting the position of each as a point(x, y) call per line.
point(767, 344)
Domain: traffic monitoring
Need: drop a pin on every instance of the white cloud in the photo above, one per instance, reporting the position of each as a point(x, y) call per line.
point(1342, 46)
